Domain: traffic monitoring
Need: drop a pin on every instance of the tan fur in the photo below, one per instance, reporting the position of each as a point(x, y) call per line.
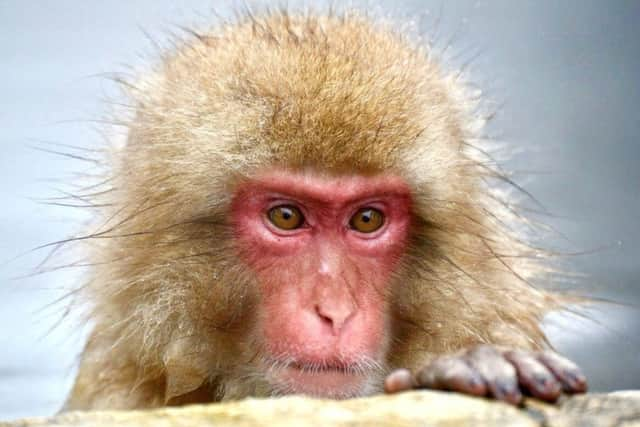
point(174, 312)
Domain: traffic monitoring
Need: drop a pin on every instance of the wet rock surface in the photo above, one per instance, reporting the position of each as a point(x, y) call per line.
point(423, 408)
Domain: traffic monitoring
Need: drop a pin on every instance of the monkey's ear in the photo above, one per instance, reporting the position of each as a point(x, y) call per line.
point(184, 370)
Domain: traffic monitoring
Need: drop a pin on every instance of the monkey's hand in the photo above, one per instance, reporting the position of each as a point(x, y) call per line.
point(486, 370)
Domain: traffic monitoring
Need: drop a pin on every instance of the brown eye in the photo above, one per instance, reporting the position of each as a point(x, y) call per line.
point(367, 220)
point(286, 217)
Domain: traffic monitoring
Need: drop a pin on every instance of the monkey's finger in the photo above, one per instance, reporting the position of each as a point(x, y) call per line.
point(567, 372)
point(499, 375)
point(533, 376)
point(451, 373)
point(399, 380)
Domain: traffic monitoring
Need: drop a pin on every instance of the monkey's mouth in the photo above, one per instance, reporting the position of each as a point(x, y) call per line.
point(320, 368)
point(331, 380)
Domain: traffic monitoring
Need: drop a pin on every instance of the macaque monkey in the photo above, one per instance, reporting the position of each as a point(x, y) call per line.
point(304, 205)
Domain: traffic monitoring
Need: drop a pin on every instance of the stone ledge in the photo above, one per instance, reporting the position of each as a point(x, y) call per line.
point(424, 408)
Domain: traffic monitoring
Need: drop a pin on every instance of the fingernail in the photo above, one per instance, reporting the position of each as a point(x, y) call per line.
point(474, 382)
point(506, 390)
point(540, 380)
point(509, 394)
point(571, 377)
point(576, 381)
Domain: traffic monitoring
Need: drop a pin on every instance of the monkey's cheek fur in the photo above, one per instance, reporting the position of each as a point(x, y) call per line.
point(486, 370)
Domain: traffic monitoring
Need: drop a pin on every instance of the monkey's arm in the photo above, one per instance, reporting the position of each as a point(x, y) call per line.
point(487, 370)
point(109, 380)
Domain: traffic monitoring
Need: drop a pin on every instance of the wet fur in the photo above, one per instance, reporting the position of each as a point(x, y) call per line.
point(175, 314)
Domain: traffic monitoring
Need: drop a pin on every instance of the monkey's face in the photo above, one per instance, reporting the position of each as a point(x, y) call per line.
point(323, 250)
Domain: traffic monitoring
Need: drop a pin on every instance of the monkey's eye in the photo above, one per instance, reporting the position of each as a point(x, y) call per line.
point(367, 220)
point(286, 217)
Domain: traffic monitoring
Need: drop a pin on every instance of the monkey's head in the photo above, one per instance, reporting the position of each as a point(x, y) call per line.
point(301, 205)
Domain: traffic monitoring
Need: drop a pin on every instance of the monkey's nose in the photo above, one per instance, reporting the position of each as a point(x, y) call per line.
point(335, 316)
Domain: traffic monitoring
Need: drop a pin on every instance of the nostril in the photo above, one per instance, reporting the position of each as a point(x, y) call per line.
point(334, 317)
point(323, 317)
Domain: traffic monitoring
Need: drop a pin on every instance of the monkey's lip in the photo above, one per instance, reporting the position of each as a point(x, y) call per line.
point(315, 367)
point(335, 380)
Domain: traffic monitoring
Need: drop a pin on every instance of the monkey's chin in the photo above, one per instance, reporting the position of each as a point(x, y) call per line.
point(332, 383)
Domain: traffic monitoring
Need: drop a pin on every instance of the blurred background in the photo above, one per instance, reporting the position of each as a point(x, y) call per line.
point(566, 77)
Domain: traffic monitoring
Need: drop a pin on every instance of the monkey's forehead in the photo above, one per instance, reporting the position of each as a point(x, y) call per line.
point(336, 93)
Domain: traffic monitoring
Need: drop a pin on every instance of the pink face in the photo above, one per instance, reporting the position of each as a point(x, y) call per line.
point(323, 250)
